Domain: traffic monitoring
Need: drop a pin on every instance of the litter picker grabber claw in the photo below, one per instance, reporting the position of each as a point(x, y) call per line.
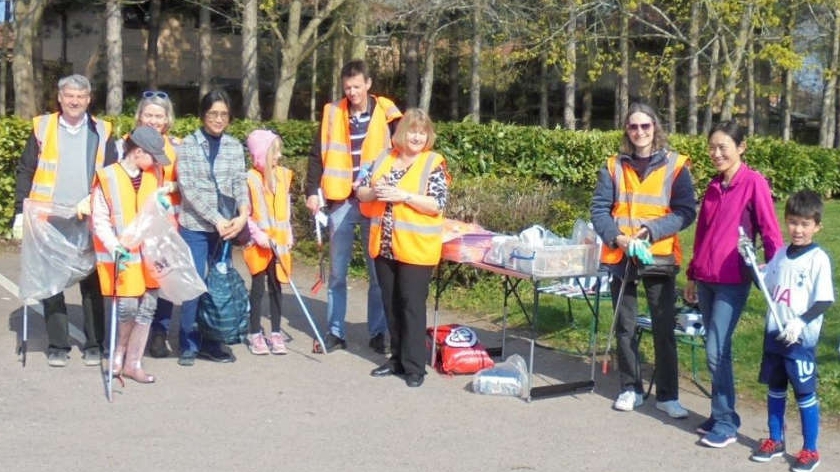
point(305, 310)
point(320, 221)
point(748, 253)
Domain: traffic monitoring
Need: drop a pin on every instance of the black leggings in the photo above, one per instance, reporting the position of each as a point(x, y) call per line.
point(258, 283)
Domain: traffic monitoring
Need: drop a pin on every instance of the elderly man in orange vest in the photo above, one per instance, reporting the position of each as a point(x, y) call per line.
point(57, 165)
point(354, 132)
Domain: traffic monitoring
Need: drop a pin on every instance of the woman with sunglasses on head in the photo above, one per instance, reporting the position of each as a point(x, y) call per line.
point(717, 278)
point(214, 208)
point(156, 111)
point(643, 198)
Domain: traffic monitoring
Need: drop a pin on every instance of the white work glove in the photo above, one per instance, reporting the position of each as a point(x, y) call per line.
point(83, 207)
point(167, 188)
point(17, 227)
point(793, 329)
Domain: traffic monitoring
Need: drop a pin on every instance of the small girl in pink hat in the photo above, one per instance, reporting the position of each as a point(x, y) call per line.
point(268, 255)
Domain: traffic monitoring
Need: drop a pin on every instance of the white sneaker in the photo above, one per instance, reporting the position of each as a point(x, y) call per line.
point(673, 408)
point(628, 401)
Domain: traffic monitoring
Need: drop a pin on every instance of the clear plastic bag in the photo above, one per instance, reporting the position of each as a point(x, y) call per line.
point(505, 378)
point(165, 254)
point(56, 251)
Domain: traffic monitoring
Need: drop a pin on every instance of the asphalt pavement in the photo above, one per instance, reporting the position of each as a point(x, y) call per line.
point(315, 412)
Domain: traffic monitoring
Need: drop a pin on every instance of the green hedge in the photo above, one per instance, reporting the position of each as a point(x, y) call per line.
point(565, 159)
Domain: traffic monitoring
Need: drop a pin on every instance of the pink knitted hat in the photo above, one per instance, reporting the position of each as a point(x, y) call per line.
point(259, 141)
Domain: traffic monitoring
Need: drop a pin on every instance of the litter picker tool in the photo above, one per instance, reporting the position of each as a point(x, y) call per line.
point(305, 310)
point(745, 247)
point(320, 221)
point(24, 335)
point(112, 337)
point(605, 363)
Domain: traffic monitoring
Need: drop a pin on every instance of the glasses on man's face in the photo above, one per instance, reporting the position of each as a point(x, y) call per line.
point(217, 115)
point(639, 126)
point(155, 94)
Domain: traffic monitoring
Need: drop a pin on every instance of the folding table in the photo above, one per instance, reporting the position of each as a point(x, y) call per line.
point(511, 280)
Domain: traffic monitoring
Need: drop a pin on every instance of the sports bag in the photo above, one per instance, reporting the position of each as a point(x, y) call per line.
point(223, 311)
point(458, 350)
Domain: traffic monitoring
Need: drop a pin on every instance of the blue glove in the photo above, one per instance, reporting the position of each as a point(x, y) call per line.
point(121, 257)
point(640, 249)
point(163, 197)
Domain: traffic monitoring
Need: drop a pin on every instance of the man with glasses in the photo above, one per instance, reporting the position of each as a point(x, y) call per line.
point(57, 166)
point(354, 132)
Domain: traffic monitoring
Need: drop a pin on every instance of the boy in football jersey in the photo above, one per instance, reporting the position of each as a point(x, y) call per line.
point(800, 284)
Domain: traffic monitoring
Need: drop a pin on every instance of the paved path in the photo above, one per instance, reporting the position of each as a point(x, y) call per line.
point(305, 412)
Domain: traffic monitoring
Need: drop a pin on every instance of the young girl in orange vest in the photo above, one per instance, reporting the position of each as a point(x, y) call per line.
point(119, 193)
point(268, 257)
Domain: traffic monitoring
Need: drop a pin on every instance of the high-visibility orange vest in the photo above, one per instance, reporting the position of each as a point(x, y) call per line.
point(417, 238)
point(638, 202)
point(271, 212)
point(337, 178)
point(45, 128)
point(123, 203)
point(170, 173)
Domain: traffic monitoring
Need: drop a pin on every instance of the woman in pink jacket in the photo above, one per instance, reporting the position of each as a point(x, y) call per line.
point(717, 277)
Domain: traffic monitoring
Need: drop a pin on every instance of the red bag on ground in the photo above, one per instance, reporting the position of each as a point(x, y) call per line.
point(458, 350)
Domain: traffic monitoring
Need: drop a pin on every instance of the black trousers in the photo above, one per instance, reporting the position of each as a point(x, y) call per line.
point(660, 292)
point(93, 310)
point(405, 288)
point(275, 298)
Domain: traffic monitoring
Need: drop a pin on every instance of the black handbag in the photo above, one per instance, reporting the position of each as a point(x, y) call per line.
point(227, 207)
point(662, 266)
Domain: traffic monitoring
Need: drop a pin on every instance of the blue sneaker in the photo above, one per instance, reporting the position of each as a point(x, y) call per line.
point(714, 439)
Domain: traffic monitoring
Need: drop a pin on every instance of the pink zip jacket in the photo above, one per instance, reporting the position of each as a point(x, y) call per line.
point(746, 202)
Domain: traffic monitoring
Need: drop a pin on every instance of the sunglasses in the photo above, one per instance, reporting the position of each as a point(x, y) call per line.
point(637, 127)
point(155, 93)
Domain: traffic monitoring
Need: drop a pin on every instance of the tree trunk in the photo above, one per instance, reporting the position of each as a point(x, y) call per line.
point(113, 40)
point(787, 81)
point(730, 85)
point(475, 66)
point(672, 98)
point(693, 67)
point(787, 99)
point(4, 67)
point(250, 62)
point(205, 50)
point(570, 68)
point(828, 116)
point(28, 16)
point(152, 45)
point(751, 87)
point(427, 81)
point(544, 88)
point(454, 80)
point(338, 62)
point(412, 69)
point(358, 49)
point(624, 71)
point(313, 84)
point(712, 86)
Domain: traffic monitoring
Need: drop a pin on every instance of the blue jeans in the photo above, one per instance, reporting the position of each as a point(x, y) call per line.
point(721, 305)
point(202, 245)
point(344, 217)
